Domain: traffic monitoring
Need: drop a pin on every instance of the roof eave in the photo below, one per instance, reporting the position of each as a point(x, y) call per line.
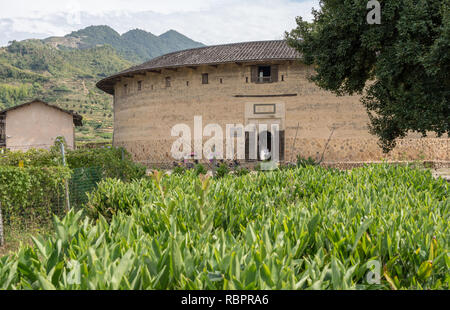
point(107, 84)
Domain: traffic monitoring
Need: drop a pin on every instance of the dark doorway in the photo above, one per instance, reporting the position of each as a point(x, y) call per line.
point(265, 144)
point(269, 136)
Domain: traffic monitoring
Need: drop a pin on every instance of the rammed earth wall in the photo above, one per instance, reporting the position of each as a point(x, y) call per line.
point(144, 118)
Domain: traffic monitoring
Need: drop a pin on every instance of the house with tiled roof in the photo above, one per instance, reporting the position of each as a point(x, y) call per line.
point(256, 84)
point(37, 124)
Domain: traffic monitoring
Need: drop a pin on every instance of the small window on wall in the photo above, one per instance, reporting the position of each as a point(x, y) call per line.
point(168, 81)
point(125, 89)
point(265, 74)
point(221, 81)
point(205, 78)
point(139, 84)
point(187, 83)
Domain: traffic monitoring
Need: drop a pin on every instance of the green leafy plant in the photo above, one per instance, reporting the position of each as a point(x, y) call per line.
point(302, 228)
point(114, 162)
point(200, 169)
point(241, 171)
point(304, 162)
point(31, 193)
point(222, 171)
point(179, 170)
point(113, 196)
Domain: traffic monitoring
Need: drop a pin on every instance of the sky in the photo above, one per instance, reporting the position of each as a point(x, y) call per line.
point(210, 22)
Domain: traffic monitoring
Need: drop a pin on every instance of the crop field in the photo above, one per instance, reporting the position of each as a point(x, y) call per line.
point(377, 227)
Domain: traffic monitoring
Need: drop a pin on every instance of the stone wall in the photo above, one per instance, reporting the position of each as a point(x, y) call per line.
point(144, 118)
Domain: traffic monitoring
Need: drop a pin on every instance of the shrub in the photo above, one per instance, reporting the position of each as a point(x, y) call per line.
point(305, 162)
point(113, 196)
point(222, 171)
point(108, 159)
point(179, 170)
point(200, 169)
point(241, 172)
point(258, 167)
point(31, 193)
point(31, 158)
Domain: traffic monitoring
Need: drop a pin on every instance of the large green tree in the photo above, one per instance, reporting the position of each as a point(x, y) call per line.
point(401, 67)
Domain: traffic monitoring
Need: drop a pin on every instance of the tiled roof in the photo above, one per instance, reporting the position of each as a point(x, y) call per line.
point(210, 55)
point(77, 118)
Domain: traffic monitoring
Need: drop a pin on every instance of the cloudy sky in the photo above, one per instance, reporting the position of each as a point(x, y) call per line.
point(207, 21)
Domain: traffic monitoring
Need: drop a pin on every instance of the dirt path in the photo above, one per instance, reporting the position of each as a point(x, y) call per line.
point(86, 91)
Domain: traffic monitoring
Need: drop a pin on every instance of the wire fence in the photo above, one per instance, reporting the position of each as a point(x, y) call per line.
point(30, 198)
point(82, 182)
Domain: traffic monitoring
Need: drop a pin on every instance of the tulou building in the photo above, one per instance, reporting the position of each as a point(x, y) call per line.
point(261, 83)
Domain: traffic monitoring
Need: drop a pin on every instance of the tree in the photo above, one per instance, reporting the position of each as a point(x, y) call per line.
point(401, 67)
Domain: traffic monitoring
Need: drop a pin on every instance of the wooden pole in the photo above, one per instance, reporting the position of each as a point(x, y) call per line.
point(66, 183)
point(2, 239)
point(326, 146)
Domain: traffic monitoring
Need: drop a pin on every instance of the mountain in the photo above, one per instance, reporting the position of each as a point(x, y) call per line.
point(64, 70)
point(135, 45)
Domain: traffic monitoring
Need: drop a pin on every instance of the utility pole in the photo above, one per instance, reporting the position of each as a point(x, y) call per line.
point(66, 182)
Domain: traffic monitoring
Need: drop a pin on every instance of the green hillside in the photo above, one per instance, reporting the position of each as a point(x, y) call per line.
point(32, 69)
point(135, 45)
point(64, 71)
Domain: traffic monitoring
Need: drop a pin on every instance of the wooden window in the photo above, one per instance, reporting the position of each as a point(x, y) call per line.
point(125, 89)
point(221, 81)
point(139, 84)
point(282, 78)
point(274, 73)
point(187, 83)
point(264, 74)
point(168, 81)
point(246, 79)
point(205, 78)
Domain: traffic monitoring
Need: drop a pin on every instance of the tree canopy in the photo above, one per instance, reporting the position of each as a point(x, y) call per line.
point(401, 67)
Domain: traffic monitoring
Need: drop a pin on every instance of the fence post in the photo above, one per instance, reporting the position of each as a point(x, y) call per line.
point(2, 239)
point(66, 182)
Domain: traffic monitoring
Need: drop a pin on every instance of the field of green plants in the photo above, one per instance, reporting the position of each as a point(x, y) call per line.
point(301, 228)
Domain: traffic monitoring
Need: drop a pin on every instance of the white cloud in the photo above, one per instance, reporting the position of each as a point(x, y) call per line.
point(27, 8)
point(210, 22)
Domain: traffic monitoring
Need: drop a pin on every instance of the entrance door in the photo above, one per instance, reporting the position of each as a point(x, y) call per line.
point(265, 140)
point(265, 122)
point(265, 146)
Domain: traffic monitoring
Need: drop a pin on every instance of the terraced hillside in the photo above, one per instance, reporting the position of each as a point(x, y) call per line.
point(63, 71)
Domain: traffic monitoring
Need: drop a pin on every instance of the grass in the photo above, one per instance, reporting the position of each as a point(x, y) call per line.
point(17, 236)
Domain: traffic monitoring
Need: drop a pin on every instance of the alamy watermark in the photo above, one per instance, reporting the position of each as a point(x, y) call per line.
point(374, 15)
point(373, 276)
point(253, 141)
